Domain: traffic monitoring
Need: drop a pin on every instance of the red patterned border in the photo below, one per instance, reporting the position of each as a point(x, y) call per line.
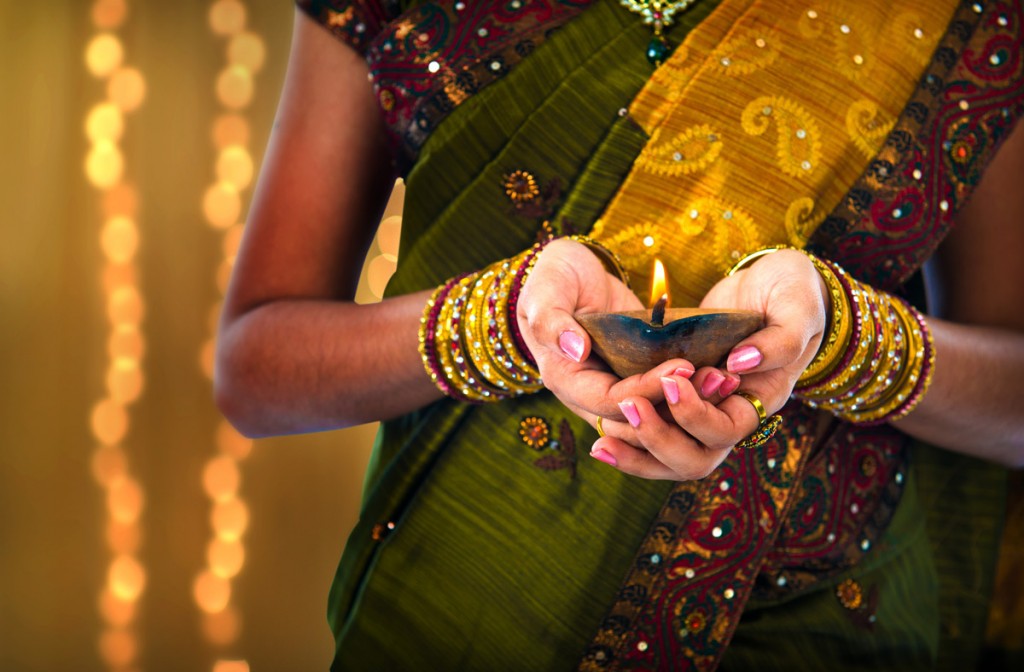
point(681, 601)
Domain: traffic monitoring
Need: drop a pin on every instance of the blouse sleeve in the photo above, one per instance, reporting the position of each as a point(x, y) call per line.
point(354, 22)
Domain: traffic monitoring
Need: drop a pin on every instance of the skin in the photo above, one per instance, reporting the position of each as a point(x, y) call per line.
point(296, 354)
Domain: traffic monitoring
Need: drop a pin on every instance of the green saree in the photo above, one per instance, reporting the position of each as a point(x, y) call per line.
point(487, 539)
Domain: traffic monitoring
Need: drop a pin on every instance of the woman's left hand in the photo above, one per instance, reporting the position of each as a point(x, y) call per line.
point(690, 435)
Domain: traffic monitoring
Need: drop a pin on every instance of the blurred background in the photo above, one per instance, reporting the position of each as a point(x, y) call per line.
point(137, 529)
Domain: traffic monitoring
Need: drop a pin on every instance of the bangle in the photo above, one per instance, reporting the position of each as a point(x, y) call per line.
point(468, 340)
point(886, 366)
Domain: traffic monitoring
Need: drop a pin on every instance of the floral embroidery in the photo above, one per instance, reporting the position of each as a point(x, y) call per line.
point(534, 432)
point(859, 607)
point(560, 454)
point(521, 186)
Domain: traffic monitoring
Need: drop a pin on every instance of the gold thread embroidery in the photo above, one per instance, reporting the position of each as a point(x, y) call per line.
point(750, 50)
point(867, 127)
point(801, 220)
point(798, 141)
point(688, 152)
point(632, 245)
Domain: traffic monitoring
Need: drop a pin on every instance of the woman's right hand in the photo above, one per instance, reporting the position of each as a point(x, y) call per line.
point(568, 279)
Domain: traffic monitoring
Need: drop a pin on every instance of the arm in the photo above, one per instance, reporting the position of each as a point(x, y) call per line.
point(976, 403)
point(295, 353)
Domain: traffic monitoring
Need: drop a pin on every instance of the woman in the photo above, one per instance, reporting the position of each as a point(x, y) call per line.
point(855, 130)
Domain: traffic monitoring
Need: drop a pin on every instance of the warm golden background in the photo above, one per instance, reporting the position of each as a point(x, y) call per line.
point(137, 531)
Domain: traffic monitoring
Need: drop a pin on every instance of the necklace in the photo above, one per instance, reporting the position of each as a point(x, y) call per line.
point(658, 14)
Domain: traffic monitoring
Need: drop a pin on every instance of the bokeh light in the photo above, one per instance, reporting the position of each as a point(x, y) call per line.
point(234, 166)
point(127, 89)
point(103, 54)
point(109, 422)
point(230, 129)
point(235, 87)
point(227, 17)
point(221, 478)
point(104, 164)
point(223, 627)
point(229, 519)
point(104, 122)
point(125, 500)
point(225, 557)
point(248, 51)
point(109, 14)
point(211, 592)
point(118, 647)
point(222, 205)
point(231, 666)
point(119, 239)
point(126, 578)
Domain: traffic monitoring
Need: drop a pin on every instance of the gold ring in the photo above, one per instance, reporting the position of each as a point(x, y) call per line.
point(762, 415)
point(600, 429)
point(764, 431)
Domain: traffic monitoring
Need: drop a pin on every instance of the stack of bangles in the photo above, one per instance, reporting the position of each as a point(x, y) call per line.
point(469, 337)
point(876, 360)
point(874, 365)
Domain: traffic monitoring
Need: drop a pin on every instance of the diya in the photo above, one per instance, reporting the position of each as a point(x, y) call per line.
point(635, 341)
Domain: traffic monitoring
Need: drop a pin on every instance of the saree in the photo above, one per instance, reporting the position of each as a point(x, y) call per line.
point(485, 541)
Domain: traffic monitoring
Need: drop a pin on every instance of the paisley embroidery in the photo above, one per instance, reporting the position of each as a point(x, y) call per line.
point(905, 29)
point(637, 245)
point(801, 221)
point(810, 24)
point(866, 127)
point(747, 51)
point(688, 152)
point(798, 143)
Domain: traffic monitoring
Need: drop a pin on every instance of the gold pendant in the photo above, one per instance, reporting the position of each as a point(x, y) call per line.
point(657, 14)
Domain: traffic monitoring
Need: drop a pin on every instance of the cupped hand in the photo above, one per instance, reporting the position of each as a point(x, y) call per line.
point(689, 435)
point(568, 279)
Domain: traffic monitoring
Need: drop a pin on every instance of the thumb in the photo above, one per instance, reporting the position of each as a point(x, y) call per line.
point(545, 314)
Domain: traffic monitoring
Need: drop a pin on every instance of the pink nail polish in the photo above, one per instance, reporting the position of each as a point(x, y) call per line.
point(683, 372)
point(571, 344)
point(671, 390)
point(712, 383)
point(728, 387)
point(743, 359)
point(604, 456)
point(629, 410)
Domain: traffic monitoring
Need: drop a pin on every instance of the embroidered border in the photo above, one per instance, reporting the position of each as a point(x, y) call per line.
point(436, 56)
point(669, 616)
point(902, 207)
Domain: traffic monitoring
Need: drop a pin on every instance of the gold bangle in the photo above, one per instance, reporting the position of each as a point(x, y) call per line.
point(757, 254)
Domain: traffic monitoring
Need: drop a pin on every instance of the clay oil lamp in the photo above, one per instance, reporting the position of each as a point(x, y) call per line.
point(636, 341)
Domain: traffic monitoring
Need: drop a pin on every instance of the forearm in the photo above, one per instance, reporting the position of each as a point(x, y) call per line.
point(975, 404)
point(298, 365)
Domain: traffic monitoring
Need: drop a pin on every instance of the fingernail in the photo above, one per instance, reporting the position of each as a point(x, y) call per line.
point(604, 456)
point(743, 359)
point(683, 372)
point(728, 386)
point(628, 409)
point(712, 383)
point(671, 390)
point(571, 344)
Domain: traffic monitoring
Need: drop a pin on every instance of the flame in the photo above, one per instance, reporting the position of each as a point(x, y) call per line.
point(659, 284)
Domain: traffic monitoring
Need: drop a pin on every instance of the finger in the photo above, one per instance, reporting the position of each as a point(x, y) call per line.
point(668, 443)
point(717, 427)
point(715, 384)
point(630, 460)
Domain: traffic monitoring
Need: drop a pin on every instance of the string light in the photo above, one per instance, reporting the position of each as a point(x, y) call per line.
point(222, 208)
point(110, 418)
